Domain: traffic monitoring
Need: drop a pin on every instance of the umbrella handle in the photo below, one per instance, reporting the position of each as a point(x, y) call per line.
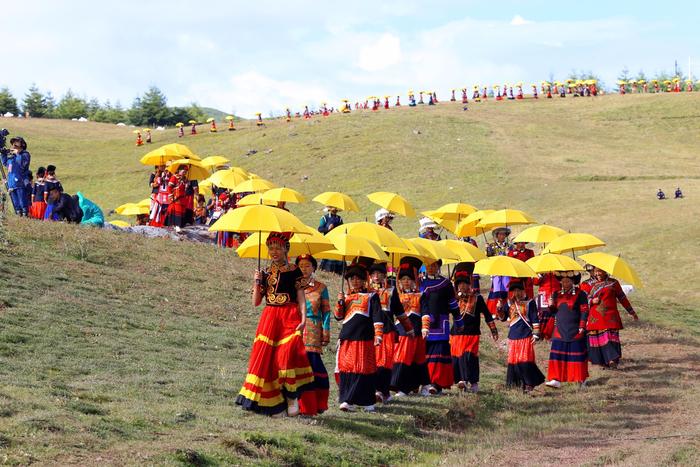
point(342, 279)
point(259, 247)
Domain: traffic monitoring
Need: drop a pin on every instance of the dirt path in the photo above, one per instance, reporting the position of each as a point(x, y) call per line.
point(654, 402)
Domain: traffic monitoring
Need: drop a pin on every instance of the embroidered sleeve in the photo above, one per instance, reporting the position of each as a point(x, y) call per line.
point(325, 316)
point(620, 295)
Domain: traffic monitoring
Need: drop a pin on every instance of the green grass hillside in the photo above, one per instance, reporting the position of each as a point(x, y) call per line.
point(118, 349)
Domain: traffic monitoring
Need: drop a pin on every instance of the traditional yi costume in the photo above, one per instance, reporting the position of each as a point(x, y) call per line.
point(278, 368)
point(498, 293)
point(523, 329)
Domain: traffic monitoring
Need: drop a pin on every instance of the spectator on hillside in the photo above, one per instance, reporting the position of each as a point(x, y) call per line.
point(50, 183)
point(679, 193)
point(17, 163)
point(660, 194)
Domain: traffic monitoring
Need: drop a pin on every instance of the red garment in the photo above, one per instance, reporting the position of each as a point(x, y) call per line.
point(461, 344)
point(357, 357)
point(384, 353)
point(37, 210)
point(521, 351)
point(605, 314)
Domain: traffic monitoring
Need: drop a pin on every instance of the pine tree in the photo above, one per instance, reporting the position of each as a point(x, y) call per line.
point(71, 106)
point(154, 107)
point(34, 103)
point(8, 103)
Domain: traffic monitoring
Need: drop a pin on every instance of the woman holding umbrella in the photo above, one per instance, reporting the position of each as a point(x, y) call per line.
point(278, 370)
point(568, 358)
point(604, 322)
point(523, 332)
point(177, 202)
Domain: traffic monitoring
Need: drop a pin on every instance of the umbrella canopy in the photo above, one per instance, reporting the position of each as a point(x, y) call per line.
point(466, 252)
point(337, 200)
point(298, 245)
point(503, 266)
point(539, 234)
point(167, 153)
point(573, 242)
point(259, 218)
point(229, 178)
point(434, 249)
point(448, 224)
point(196, 170)
point(145, 202)
point(253, 185)
point(119, 223)
point(505, 217)
point(348, 246)
point(613, 265)
point(253, 199)
point(551, 262)
point(179, 124)
point(378, 234)
point(205, 187)
point(210, 119)
point(470, 229)
point(392, 202)
point(192, 122)
point(453, 211)
point(132, 209)
point(283, 194)
point(229, 117)
point(214, 161)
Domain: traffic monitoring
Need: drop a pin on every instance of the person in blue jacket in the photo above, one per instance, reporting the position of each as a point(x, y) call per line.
point(17, 163)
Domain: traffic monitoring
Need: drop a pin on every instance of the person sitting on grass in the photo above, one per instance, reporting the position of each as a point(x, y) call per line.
point(660, 194)
point(679, 193)
point(200, 212)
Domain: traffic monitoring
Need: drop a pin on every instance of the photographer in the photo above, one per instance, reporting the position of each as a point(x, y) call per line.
point(17, 161)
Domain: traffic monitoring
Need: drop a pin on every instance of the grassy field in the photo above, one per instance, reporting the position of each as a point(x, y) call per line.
point(115, 349)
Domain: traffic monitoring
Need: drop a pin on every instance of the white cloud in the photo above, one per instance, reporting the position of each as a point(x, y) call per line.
point(519, 21)
point(383, 53)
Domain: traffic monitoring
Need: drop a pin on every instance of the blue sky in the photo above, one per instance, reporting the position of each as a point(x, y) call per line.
point(263, 55)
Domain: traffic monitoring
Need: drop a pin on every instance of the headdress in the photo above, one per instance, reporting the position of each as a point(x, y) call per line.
point(308, 258)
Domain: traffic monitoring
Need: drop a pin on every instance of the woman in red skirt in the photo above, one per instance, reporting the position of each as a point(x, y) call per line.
point(317, 335)
point(278, 370)
point(568, 358)
point(38, 206)
point(546, 284)
point(410, 370)
point(177, 206)
point(604, 322)
point(359, 310)
point(523, 332)
point(464, 342)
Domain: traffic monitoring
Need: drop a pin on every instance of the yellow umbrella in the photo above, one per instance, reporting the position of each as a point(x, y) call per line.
point(613, 265)
point(505, 217)
point(196, 170)
point(179, 124)
point(136, 132)
point(283, 194)
point(454, 211)
point(466, 252)
point(145, 202)
point(119, 223)
point(214, 161)
point(180, 149)
point(229, 178)
point(435, 249)
point(380, 235)
point(259, 219)
point(253, 185)
point(298, 245)
point(132, 209)
point(229, 117)
point(573, 242)
point(351, 246)
point(551, 262)
point(210, 119)
point(539, 234)
point(392, 202)
point(253, 199)
point(167, 153)
point(503, 266)
point(415, 251)
point(192, 122)
point(337, 200)
point(205, 187)
point(470, 229)
point(447, 224)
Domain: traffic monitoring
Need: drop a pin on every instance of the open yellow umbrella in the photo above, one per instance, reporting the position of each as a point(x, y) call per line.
point(470, 229)
point(132, 209)
point(613, 265)
point(435, 249)
point(550, 262)
point(253, 199)
point(167, 153)
point(347, 247)
point(415, 251)
point(539, 234)
point(210, 119)
point(179, 124)
point(298, 245)
point(229, 117)
point(229, 178)
point(448, 224)
point(196, 170)
point(385, 238)
point(214, 161)
point(454, 211)
point(505, 217)
point(283, 194)
point(192, 122)
point(205, 187)
point(337, 200)
point(392, 202)
point(145, 202)
point(573, 242)
point(259, 219)
point(503, 266)
point(466, 252)
point(120, 223)
point(253, 185)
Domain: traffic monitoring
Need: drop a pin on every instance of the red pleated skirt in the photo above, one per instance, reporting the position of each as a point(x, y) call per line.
point(37, 210)
point(410, 350)
point(278, 366)
point(384, 353)
point(357, 357)
point(459, 345)
point(521, 351)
